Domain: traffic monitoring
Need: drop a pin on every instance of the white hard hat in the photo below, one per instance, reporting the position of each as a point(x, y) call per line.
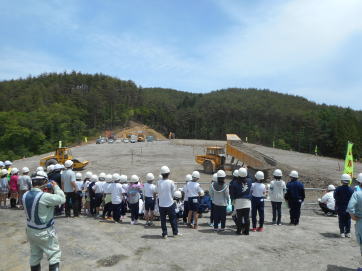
point(42, 173)
point(236, 173)
point(50, 168)
point(2, 164)
point(165, 170)
point(123, 178)
point(150, 177)
point(277, 173)
point(109, 178)
point(102, 176)
point(4, 172)
point(177, 194)
point(25, 170)
point(78, 175)
point(259, 175)
point(345, 178)
point(331, 187)
point(68, 163)
point(188, 178)
point(359, 178)
point(243, 172)
point(39, 169)
point(134, 179)
point(214, 177)
point(294, 174)
point(88, 175)
point(58, 167)
point(202, 193)
point(221, 174)
point(7, 163)
point(94, 178)
point(14, 171)
point(116, 177)
point(195, 175)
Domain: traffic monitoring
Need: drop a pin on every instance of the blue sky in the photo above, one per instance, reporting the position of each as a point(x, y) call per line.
point(303, 47)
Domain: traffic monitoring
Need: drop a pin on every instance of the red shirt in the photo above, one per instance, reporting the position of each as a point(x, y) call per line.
point(13, 184)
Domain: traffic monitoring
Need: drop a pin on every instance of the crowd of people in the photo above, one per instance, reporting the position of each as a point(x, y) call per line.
point(111, 196)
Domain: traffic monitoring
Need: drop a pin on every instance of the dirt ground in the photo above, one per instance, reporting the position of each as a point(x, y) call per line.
point(88, 244)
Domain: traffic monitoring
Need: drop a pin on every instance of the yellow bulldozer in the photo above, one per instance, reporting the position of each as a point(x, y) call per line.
point(218, 157)
point(61, 155)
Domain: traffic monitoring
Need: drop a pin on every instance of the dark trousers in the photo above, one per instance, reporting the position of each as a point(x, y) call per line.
point(277, 212)
point(123, 208)
point(78, 197)
point(116, 211)
point(325, 209)
point(294, 210)
point(212, 213)
point(344, 221)
point(243, 220)
point(93, 205)
point(71, 200)
point(12, 203)
point(219, 216)
point(134, 210)
point(186, 211)
point(171, 212)
point(107, 210)
point(257, 207)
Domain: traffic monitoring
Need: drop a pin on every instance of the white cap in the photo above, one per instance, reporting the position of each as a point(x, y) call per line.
point(243, 172)
point(345, 178)
point(259, 175)
point(14, 171)
point(221, 174)
point(177, 194)
point(58, 167)
point(7, 163)
point(39, 169)
point(150, 177)
point(188, 178)
point(78, 176)
point(277, 173)
point(123, 178)
point(102, 176)
point(331, 187)
point(116, 177)
point(109, 178)
point(165, 170)
point(195, 175)
point(41, 174)
point(236, 173)
point(294, 174)
point(94, 178)
point(25, 170)
point(50, 168)
point(359, 178)
point(4, 172)
point(2, 164)
point(68, 163)
point(134, 179)
point(88, 175)
point(214, 177)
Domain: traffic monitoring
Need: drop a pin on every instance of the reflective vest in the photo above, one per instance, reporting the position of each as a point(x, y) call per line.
point(31, 203)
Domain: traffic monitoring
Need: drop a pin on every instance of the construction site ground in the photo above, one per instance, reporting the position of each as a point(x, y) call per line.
point(88, 244)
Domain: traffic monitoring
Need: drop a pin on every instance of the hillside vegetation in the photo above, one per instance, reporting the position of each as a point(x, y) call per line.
point(37, 112)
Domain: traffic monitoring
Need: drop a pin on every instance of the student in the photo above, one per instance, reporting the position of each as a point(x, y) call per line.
point(133, 197)
point(327, 202)
point(117, 197)
point(355, 210)
point(24, 183)
point(98, 190)
point(234, 179)
point(92, 195)
point(149, 190)
point(219, 192)
point(57, 177)
point(179, 204)
point(277, 191)
point(193, 191)
point(107, 190)
point(295, 196)
point(4, 186)
point(78, 193)
point(125, 186)
point(188, 178)
point(85, 194)
point(258, 194)
point(166, 189)
point(342, 195)
point(13, 187)
point(213, 180)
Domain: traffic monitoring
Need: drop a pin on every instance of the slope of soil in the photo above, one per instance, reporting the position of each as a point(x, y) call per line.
point(134, 127)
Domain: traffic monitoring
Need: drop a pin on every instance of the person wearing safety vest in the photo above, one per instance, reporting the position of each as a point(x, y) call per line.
point(39, 211)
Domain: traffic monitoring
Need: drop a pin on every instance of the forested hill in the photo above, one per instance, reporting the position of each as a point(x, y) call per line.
point(37, 112)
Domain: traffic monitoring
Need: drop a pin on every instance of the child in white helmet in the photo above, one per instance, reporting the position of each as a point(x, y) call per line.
point(179, 204)
point(133, 197)
point(277, 191)
point(125, 186)
point(79, 193)
point(258, 193)
point(188, 178)
point(107, 190)
point(85, 194)
point(24, 183)
point(98, 189)
point(4, 186)
point(194, 191)
point(14, 188)
point(149, 191)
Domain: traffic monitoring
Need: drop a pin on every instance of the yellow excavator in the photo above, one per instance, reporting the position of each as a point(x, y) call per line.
point(61, 155)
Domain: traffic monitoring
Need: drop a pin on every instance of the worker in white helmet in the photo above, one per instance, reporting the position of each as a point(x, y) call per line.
point(166, 189)
point(194, 192)
point(4, 186)
point(355, 210)
point(133, 198)
point(70, 188)
point(342, 195)
point(295, 196)
point(24, 183)
point(277, 191)
point(258, 194)
point(188, 178)
point(327, 202)
point(149, 191)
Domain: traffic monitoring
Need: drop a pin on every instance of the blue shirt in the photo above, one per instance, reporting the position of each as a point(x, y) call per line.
point(342, 195)
point(295, 191)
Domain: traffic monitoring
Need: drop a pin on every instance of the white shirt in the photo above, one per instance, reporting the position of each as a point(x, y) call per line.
point(277, 190)
point(117, 191)
point(258, 190)
point(125, 187)
point(107, 188)
point(85, 185)
point(193, 189)
point(165, 190)
point(79, 185)
point(98, 187)
point(186, 197)
point(149, 189)
point(328, 199)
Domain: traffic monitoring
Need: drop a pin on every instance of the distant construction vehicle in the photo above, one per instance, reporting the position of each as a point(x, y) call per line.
point(216, 157)
point(61, 155)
